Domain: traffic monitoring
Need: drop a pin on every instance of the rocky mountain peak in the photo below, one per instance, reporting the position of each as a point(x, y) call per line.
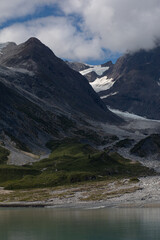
point(33, 40)
point(50, 79)
point(35, 46)
point(136, 87)
point(30, 55)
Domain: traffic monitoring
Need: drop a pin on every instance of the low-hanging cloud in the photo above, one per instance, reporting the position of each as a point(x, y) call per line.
point(120, 24)
point(86, 27)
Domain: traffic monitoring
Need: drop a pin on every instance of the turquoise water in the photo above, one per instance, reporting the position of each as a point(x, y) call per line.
point(65, 224)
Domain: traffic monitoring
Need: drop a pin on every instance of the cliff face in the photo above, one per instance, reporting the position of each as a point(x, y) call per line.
point(41, 97)
point(136, 87)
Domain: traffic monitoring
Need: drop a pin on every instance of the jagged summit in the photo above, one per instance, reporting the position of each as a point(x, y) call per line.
point(132, 84)
point(34, 44)
point(27, 55)
point(136, 84)
point(33, 40)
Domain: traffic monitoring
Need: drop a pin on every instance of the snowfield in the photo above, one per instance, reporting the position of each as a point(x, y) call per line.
point(102, 84)
point(97, 69)
point(137, 128)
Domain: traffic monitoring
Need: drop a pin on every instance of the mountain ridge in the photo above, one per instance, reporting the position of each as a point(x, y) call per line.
point(132, 84)
point(42, 98)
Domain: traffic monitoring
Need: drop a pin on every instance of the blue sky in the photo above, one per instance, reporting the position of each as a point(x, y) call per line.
point(88, 31)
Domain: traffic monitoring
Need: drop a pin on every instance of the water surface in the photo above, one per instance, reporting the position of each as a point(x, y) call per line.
point(71, 224)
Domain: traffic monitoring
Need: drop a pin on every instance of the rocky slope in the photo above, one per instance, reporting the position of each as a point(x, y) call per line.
point(41, 97)
point(137, 84)
point(132, 84)
point(147, 146)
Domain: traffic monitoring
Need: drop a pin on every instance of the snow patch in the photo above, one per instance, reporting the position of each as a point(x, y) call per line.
point(131, 115)
point(97, 69)
point(102, 84)
point(158, 82)
point(111, 94)
point(21, 70)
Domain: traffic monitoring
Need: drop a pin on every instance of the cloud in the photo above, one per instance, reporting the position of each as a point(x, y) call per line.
point(120, 25)
point(20, 8)
point(59, 33)
point(87, 27)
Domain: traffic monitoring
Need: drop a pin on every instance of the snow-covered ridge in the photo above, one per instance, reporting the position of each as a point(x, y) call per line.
point(102, 84)
point(97, 69)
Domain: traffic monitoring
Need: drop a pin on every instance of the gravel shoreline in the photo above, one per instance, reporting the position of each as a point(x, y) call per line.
point(117, 194)
point(88, 206)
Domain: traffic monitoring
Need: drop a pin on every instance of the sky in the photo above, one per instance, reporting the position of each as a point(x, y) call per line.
point(91, 31)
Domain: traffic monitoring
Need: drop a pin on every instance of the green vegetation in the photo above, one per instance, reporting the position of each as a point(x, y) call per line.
point(11, 172)
point(70, 162)
point(3, 155)
point(88, 191)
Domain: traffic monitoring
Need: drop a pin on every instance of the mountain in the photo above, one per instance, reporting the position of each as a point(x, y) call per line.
point(97, 75)
point(77, 66)
point(91, 72)
point(136, 87)
point(41, 97)
point(132, 84)
point(148, 146)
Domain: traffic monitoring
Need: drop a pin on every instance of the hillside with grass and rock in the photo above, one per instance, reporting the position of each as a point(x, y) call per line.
point(58, 138)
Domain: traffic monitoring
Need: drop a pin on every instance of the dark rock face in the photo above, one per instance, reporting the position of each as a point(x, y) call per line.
point(23, 119)
point(137, 83)
point(77, 66)
point(107, 64)
point(125, 143)
point(91, 76)
point(147, 146)
point(53, 81)
point(39, 94)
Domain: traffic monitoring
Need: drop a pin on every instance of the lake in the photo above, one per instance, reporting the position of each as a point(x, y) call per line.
point(73, 224)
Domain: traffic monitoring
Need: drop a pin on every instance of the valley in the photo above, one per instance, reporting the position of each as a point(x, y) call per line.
point(64, 140)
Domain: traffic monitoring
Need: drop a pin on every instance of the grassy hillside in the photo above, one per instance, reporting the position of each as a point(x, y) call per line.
point(70, 162)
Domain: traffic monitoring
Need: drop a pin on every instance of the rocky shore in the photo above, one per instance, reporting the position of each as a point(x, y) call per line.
point(118, 193)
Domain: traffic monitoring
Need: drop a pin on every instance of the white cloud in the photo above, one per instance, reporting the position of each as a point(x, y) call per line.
point(20, 8)
point(118, 25)
point(59, 34)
